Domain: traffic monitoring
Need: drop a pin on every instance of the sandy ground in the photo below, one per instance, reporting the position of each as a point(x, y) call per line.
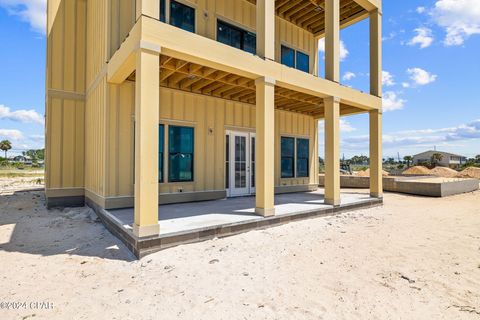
point(414, 258)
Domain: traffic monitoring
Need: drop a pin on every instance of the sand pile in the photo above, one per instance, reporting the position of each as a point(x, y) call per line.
point(470, 172)
point(444, 172)
point(417, 170)
point(366, 173)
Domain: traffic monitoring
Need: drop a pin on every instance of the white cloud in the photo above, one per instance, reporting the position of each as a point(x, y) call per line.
point(405, 84)
point(387, 79)
point(32, 11)
point(348, 76)
point(391, 101)
point(343, 49)
point(459, 18)
point(25, 116)
point(11, 134)
point(423, 37)
point(345, 126)
point(421, 77)
point(420, 10)
point(424, 137)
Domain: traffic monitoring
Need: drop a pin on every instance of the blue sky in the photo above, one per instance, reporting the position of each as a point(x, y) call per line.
point(431, 53)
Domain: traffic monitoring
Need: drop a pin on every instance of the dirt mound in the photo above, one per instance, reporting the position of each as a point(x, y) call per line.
point(418, 170)
point(444, 172)
point(366, 173)
point(470, 172)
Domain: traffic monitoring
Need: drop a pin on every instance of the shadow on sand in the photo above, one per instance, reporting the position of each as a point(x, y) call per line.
point(27, 226)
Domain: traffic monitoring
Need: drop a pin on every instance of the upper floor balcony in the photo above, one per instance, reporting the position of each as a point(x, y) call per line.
point(248, 37)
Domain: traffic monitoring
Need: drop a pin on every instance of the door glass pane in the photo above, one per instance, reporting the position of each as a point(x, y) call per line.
point(288, 57)
point(302, 62)
point(240, 162)
point(252, 165)
point(227, 161)
point(182, 16)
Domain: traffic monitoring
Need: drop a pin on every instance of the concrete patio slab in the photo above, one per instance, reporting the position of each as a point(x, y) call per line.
point(191, 222)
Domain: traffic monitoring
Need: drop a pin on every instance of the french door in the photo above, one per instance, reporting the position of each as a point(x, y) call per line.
point(240, 163)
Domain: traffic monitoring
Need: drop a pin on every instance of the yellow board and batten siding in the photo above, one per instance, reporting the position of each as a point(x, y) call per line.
point(90, 138)
point(210, 117)
point(64, 111)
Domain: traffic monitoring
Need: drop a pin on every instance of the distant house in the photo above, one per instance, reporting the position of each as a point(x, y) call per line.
point(448, 159)
point(22, 159)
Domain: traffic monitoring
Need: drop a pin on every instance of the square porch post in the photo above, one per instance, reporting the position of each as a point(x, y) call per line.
point(332, 40)
point(147, 95)
point(332, 151)
point(376, 177)
point(266, 29)
point(265, 147)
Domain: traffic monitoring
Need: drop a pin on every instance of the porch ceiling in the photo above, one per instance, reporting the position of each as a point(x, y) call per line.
point(310, 14)
point(191, 77)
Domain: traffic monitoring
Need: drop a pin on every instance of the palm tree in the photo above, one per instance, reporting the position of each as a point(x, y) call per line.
point(436, 158)
point(5, 145)
point(477, 158)
point(408, 159)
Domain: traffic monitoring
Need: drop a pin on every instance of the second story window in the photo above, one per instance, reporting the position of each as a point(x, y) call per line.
point(182, 16)
point(236, 37)
point(295, 59)
point(162, 10)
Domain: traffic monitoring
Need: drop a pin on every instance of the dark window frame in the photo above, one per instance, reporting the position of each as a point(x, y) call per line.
point(243, 34)
point(181, 4)
point(300, 157)
point(296, 53)
point(285, 157)
point(170, 154)
point(161, 153)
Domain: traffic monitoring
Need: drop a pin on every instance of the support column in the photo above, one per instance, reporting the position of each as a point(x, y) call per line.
point(332, 40)
point(147, 95)
point(266, 29)
point(376, 179)
point(376, 53)
point(149, 8)
point(332, 151)
point(265, 147)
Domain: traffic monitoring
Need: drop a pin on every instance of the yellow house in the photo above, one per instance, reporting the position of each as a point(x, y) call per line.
point(150, 102)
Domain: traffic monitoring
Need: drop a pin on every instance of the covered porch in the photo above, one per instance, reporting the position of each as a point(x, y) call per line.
point(157, 55)
point(192, 222)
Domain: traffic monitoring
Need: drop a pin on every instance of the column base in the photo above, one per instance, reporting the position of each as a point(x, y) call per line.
point(376, 195)
point(332, 202)
point(265, 212)
point(146, 231)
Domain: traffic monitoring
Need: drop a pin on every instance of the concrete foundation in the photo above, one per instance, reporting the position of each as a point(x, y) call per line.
point(418, 185)
point(193, 222)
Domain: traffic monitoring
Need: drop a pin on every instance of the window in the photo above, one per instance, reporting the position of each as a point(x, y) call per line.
point(180, 154)
point(288, 57)
point(295, 59)
point(303, 63)
point(161, 148)
point(162, 10)
point(182, 16)
point(302, 158)
point(288, 157)
point(236, 37)
point(295, 157)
